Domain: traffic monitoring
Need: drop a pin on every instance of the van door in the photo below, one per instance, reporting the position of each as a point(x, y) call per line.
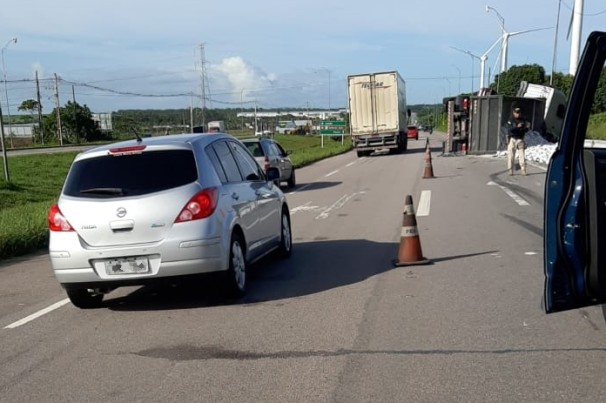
point(575, 196)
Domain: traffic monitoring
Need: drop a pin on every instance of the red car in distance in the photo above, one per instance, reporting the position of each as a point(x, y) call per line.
point(413, 132)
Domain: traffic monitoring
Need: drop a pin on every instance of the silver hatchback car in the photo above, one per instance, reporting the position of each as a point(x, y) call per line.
point(156, 208)
point(269, 153)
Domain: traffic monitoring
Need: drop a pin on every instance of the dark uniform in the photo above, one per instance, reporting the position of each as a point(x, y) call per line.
point(517, 126)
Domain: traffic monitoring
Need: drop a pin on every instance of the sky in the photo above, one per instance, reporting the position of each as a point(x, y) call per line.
point(272, 54)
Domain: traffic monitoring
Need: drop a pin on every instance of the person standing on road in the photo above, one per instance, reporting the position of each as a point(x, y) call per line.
point(517, 126)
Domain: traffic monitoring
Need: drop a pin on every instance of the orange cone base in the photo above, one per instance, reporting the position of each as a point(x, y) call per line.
point(423, 261)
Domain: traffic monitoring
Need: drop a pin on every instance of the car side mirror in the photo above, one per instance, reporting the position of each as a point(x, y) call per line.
point(272, 174)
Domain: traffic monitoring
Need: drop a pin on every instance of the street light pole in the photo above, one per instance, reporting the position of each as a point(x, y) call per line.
point(472, 57)
point(4, 156)
point(328, 90)
point(504, 37)
point(242, 108)
point(328, 71)
point(555, 43)
point(459, 70)
point(8, 110)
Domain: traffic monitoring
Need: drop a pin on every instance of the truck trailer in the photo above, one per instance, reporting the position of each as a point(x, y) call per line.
point(378, 117)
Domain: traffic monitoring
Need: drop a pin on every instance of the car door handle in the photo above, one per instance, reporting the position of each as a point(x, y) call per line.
point(122, 225)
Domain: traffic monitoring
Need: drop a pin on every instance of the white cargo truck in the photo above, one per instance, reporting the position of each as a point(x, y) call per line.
point(378, 118)
point(217, 126)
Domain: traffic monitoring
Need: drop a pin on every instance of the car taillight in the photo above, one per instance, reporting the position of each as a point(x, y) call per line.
point(56, 221)
point(202, 205)
point(266, 164)
point(127, 150)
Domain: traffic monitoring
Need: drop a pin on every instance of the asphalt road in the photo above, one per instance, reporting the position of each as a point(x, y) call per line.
point(337, 322)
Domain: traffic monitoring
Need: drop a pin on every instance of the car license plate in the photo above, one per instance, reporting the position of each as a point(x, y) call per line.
point(129, 265)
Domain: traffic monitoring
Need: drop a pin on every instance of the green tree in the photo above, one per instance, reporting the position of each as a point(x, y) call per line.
point(32, 106)
point(508, 83)
point(77, 124)
point(29, 105)
point(562, 82)
point(599, 104)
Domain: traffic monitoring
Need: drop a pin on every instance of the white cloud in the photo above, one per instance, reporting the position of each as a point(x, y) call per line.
point(242, 78)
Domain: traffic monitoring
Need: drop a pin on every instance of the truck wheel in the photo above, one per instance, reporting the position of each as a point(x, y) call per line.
point(360, 153)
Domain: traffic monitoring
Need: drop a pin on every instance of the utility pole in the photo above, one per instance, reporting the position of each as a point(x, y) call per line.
point(4, 156)
point(8, 107)
point(203, 83)
point(191, 114)
point(75, 115)
point(40, 127)
point(256, 127)
point(242, 109)
point(58, 107)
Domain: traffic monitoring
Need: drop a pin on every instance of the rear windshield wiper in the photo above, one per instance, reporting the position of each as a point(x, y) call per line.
point(104, 191)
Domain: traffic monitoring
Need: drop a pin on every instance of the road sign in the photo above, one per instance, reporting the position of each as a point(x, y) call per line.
point(332, 127)
point(339, 123)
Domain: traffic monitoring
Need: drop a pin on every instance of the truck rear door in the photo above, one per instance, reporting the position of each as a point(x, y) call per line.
point(373, 103)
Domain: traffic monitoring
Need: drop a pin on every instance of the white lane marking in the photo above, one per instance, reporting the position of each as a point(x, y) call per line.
point(336, 205)
point(36, 315)
point(304, 207)
point(424, 203)
point(326, 176)
point(516, 197)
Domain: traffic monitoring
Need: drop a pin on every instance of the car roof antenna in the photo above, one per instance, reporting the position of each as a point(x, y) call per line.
point(139, 139)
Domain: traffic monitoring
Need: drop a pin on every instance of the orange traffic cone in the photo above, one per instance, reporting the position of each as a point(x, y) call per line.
point(428, 167)
point(410, 252)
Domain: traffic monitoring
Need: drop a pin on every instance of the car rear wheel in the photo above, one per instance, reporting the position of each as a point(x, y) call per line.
point(84, 299)
point(285, 249)
point(292, 181)
point(235, 277)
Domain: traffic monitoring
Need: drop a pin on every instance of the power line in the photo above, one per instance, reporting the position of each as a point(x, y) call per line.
point(129, 93)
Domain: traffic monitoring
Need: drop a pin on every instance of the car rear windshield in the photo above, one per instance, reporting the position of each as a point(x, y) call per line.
point(254, 148)
point(131, 174)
